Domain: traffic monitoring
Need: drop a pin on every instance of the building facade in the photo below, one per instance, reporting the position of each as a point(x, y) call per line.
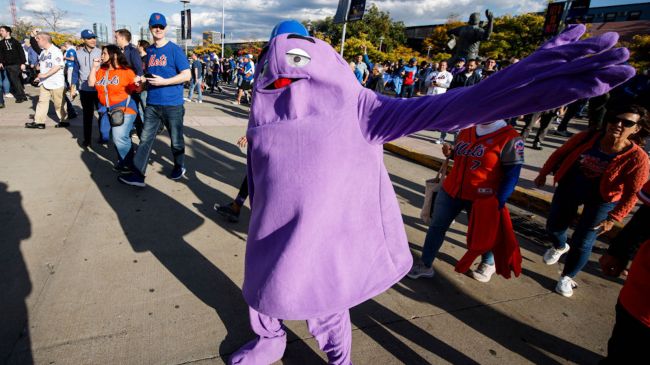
point(101, 31)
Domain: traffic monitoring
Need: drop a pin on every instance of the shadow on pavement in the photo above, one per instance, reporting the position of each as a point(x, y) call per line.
point(157, 223)
point(15, 284)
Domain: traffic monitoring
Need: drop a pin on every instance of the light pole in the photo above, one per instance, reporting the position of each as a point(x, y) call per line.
point(223, 25)
point(428, 50)
point(381, 41)
point(183, 36)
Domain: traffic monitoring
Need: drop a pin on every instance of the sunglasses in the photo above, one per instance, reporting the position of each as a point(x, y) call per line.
point(626, 123)
point(157, 26)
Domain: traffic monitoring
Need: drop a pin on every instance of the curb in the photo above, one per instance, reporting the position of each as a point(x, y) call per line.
point(523, 198)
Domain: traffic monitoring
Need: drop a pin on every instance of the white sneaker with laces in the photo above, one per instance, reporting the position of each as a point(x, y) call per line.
point(484, 272)
point(552, 255)
point(419, 270)
point(565, 286)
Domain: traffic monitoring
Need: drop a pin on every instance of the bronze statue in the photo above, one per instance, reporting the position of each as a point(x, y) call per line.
point(468, 37)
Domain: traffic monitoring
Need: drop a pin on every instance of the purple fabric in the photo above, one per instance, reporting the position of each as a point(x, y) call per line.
point(326, 232)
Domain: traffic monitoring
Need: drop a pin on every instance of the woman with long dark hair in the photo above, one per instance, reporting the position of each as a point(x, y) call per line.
point(115, 82)
point(601, 170)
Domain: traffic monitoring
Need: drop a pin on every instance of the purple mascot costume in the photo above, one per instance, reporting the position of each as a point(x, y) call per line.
point(326, 231)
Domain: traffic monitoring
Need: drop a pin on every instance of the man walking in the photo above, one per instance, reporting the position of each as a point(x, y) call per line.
point(168, 65)
point(134, 60)
point(197, 80)
point(410, 76)
point(51, 81)
point(248, 72)
point(88, 95)
point(12, 59)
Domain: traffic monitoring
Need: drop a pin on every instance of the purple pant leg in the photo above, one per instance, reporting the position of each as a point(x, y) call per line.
point(268, 347)
point(334, 336)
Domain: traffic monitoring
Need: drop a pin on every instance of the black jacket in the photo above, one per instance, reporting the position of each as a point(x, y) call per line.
point(461, 80)
point(11, 52)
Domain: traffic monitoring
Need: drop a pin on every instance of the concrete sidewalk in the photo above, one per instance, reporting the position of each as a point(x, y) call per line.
point(95, 272)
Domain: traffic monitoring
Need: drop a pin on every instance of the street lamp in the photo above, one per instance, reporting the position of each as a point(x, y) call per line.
point(223, 25)
point(381, 41)
point(428, 50)
point(183, 36)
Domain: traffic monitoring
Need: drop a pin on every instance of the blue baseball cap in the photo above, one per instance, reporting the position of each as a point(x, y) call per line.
point(157, 19)
point(289, 26)
point(87, 34)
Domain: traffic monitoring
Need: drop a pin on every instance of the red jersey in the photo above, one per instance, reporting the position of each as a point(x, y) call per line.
point(634, 295)
point(478, 161)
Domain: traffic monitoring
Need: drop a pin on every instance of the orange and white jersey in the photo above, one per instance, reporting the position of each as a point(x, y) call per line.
point(478, 162)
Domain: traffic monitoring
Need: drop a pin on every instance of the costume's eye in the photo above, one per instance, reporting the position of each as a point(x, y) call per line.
point(297, 57)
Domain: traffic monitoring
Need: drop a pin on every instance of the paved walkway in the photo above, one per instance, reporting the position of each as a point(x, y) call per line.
point(95, 272)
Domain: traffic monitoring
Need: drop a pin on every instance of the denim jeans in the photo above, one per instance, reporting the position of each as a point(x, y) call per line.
point(407, 91)
point(172, 117)
point(564, 208)
point(122, 137)
point(445, 210)
point(196, 84)
point(6, 85)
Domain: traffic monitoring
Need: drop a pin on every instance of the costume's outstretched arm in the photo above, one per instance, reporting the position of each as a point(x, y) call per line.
point(561, 71)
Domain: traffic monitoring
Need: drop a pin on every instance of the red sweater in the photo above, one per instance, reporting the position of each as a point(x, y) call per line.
point(644, 194)
point(621, 181)
point(634, 295)
point(490, 229)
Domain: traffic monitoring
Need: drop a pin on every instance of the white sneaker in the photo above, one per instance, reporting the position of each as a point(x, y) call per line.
point(484, 272)
point(199, 101)
point(565, 286)
point(552, 255)
point(419, 270)
point(188, 100)
point(438, 141)
point(9, 95)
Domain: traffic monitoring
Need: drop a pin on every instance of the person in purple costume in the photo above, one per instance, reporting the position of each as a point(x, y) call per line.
point(315, 145)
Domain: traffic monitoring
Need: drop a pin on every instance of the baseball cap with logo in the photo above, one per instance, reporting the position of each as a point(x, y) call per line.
point(87, 34)
point(157, 19)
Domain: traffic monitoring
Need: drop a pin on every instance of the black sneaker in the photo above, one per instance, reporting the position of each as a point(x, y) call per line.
point(34, 125)
point(227, 212)
point(563, 133)
point(21, 100)
point(2, 106)
point(177, 173)
point(133, 179)
point(62, 125)
point(537, 146)
point(121, 168)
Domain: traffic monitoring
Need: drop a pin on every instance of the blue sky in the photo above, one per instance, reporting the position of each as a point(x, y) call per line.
point(254, 19)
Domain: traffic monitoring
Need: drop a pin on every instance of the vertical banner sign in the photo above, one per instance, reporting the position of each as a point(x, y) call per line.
point(357, 8)
point(183, 24)
point(342, 12)
point(189, 24)
point(553, 19)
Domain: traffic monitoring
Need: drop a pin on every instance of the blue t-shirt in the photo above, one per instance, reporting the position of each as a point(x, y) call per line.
point(166, 61)
point(70, 53)
point(196, 65)
point(249, 71)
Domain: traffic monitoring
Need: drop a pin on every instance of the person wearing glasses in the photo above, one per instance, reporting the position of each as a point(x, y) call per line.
point(601, 170)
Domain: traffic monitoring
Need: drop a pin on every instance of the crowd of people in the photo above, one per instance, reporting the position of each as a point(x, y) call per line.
point(139, 89)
